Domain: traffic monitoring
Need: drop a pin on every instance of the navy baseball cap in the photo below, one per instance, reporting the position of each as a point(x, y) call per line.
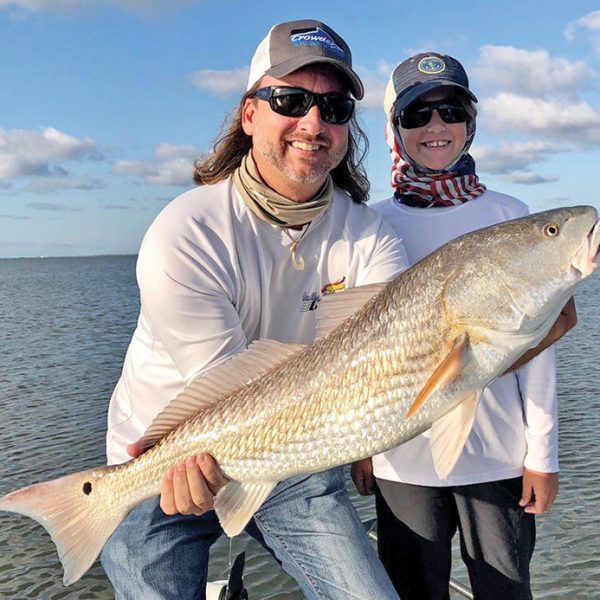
point(420, 74)
point(295, 44)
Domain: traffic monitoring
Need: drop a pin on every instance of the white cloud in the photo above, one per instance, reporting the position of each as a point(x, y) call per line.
point(222, 83)
point(512, 157)
point(529, 178)
point(39, 155)
point(374, 92)
point(512, 161)
point(169, 165)
point(591, 22)
point(375, 82)
point(576, 122)
point(148, 7)
point(529, 72)
point(52, 206)
point(40, 5)
point(45, 185)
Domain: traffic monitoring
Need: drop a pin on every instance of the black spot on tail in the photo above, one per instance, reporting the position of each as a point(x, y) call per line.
point(87, 488)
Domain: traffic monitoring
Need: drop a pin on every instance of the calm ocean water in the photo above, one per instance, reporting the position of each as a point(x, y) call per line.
point(64, 327)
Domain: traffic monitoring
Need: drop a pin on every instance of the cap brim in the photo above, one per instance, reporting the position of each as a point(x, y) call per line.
point(289, 66)
point(427, 86)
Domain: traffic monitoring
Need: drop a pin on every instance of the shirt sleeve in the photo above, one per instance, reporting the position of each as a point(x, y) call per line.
point(187, 294)
point(537, 383)
point(387, 260)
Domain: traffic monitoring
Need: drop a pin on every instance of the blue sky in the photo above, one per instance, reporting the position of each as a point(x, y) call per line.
point(105, 103)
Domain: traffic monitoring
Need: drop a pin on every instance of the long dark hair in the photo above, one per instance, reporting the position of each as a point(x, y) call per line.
point(233, 144)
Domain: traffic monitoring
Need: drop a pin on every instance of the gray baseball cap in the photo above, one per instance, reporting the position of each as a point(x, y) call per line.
point(420, 74)
point(295, 44)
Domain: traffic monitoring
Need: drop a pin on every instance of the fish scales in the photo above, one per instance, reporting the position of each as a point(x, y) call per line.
point(337, 378)
point(427, 343)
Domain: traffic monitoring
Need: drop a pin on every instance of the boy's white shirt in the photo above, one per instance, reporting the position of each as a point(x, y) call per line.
point(516, 423)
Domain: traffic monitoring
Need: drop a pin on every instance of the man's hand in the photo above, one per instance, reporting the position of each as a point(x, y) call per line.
point(566, 321)
point(539, 491)
point(190, 487)
point(362, 475)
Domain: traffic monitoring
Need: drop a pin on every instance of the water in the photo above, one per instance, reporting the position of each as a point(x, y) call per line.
point(64, 328)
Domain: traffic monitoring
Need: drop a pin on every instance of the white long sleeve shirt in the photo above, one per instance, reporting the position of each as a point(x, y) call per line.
point(516, 420)
point(214, 278)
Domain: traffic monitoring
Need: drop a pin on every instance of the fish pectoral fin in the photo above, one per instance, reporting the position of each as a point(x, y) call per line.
point(236, 503)
point(449, 434)
point(448, 370)
point(333, 309)
point(222, 380)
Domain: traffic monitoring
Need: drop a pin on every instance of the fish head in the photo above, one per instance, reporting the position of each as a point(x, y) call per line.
point(517, 275)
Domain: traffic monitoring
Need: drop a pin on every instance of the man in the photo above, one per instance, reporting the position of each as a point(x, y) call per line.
point(280, 215)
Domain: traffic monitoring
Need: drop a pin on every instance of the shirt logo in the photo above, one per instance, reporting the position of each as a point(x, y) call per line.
point(310, 300)
point(336, 286)
point(431, 65)
point(316, 37)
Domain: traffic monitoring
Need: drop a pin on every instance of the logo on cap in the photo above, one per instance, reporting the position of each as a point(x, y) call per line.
point(431, 65)
point(316, 37)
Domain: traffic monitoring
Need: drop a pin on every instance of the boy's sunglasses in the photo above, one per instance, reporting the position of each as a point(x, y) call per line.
point(335, 108)
point(418, 114)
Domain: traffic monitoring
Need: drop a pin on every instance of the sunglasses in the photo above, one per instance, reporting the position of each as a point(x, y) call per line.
point(335, 108)
point(418, 115)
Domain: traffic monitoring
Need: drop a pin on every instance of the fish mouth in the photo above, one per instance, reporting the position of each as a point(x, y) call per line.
point(585, 261)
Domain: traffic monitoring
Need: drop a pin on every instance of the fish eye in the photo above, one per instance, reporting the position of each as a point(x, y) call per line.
point(551, 230)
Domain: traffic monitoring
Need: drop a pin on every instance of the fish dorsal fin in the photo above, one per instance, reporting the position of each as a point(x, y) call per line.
point(448, 370)
point(236, 503)
point(220, 381)
point(449, 434)
point(335, 308)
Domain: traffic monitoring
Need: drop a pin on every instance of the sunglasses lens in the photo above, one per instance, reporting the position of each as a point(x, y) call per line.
point(291, 104)
point(415, 117)
point(453, 113)
point(419, 115)
point(336, 109)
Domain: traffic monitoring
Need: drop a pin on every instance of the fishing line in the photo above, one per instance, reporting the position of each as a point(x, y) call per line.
point(229, 565)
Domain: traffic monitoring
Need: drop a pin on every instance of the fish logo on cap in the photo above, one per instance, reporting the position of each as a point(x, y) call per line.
point(431, 65)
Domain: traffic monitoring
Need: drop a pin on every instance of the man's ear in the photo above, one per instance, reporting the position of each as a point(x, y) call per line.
point(248, 116)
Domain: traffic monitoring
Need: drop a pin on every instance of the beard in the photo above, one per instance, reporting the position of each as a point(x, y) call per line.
point(313, 170)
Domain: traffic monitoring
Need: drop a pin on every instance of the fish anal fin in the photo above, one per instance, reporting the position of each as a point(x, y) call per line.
point(236, 503)
point(447, 371)
point(449, 434)
point(218, 382)
point(335, 308)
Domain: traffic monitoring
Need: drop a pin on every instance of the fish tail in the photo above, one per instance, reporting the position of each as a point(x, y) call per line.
point(74, 511)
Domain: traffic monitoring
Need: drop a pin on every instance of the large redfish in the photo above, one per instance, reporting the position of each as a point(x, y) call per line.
point(390, 361)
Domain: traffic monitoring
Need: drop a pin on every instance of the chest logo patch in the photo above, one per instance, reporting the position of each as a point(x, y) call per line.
point(336, 286)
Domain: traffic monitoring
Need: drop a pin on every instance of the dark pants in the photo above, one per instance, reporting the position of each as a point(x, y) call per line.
point(415, 529)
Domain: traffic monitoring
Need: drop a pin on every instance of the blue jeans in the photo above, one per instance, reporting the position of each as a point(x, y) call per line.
point(308, 523)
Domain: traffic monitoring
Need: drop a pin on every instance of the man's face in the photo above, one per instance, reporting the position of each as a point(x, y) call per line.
point(437, 144)
point(295, 155)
